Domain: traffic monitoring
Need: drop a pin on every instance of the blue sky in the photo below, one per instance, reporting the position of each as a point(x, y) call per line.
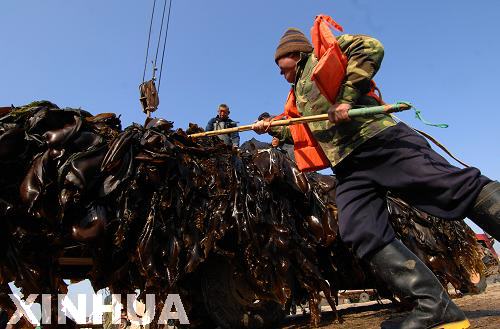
point(440, 55)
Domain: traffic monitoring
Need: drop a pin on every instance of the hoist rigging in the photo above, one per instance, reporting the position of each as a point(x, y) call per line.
point(148, 92)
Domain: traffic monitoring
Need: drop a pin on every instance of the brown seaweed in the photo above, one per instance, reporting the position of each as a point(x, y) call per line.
point(153, 207)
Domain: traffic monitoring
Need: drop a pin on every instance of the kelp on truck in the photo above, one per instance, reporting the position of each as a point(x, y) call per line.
point(244, 237)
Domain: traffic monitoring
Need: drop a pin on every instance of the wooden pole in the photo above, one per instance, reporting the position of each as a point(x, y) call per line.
point(365, 111)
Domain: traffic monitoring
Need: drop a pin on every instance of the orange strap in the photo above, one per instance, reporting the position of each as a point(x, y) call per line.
point(375, 93)
point(322, 37)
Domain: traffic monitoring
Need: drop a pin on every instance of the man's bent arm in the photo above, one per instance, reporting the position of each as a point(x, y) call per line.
point(364, 57)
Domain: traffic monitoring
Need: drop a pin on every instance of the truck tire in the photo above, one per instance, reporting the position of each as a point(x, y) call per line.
point(231, 303)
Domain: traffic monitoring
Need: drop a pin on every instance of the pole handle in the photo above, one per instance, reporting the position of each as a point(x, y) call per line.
point(353, 113)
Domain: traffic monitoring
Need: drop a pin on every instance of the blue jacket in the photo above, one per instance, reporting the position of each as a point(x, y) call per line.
point(217, 123)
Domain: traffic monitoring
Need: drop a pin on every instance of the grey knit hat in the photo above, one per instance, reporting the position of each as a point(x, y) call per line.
point(292, 41)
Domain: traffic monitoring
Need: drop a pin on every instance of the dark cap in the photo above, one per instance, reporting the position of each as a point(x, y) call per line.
point(263, 116)
point(293, 41)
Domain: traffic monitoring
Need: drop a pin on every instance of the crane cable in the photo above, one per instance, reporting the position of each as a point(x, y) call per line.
point(149, 39)
point(165, 41)
point(149, 94)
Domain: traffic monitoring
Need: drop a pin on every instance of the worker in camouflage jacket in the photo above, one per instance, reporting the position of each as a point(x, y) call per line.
point(222, 121)
point(371, 156)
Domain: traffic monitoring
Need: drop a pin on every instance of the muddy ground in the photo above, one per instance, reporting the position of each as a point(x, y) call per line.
point(483, 311)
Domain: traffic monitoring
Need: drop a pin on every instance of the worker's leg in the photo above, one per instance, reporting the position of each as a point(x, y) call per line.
point(363, 223)
point(486, 209)
point(403, 162)
point(363, 214)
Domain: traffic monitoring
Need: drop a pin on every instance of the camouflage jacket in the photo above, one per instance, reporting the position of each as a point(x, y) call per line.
point(364, 56)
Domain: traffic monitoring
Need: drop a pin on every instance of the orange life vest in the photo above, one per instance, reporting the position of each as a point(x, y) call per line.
point(328, 75)
point(330, 71)
point(308, 154)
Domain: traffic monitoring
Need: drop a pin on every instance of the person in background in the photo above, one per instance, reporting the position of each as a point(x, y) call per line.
point(275, 142)
point(222, 121)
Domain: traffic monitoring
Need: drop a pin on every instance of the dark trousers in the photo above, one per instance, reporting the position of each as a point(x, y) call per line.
point(399, 160)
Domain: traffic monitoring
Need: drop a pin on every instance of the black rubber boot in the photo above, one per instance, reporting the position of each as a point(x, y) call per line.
point(486, 210)
point(409, 278)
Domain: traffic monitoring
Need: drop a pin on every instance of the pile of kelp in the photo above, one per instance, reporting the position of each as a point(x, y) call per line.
point(152, 207)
